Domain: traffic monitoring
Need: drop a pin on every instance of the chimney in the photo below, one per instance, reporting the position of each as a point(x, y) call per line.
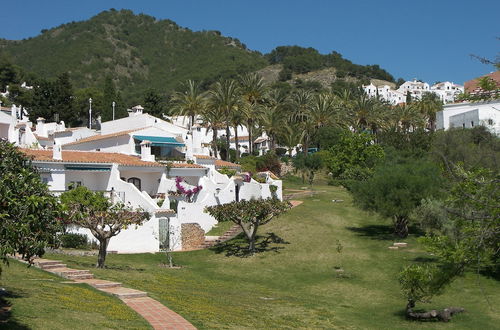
point(40, 127)
point(146, 151)
point(56, 151)
point(135, 111)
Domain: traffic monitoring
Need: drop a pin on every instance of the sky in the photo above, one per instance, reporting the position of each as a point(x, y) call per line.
point(425, 39)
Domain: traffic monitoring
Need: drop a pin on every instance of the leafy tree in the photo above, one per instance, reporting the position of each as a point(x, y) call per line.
point(153, 103)
point(352, 150)
point(249, 215)
point(470, 240)
point(93, 211)
point(309, 164)
point(396, 188)
point(8, 73)
point(471, 148)
point(28, 212)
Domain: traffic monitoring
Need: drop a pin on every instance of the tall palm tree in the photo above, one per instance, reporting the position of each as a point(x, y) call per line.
point(225, 98)
point(428, 106)
point(273, 118)
point(189, 102)
point(213, 120)
point(300, 104)
point(253, 91)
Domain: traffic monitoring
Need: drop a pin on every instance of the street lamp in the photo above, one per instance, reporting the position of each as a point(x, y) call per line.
point(113, 109)
point(90, 113)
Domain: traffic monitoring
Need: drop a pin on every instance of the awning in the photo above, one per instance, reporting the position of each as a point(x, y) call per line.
point(88, 168)
point(159, 141)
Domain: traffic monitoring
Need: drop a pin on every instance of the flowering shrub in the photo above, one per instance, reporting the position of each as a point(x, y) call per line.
point(247, 177)
point(189, 193)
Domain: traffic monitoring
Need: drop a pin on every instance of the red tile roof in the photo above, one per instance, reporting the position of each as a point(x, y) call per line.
point(185, 165)
point(472, 85)
point(240, 139)
point(222, 163)
point(89, 157)
point(204, 157)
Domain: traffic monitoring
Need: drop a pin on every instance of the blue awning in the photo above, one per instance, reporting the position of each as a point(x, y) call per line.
point(160, 141)
point(87, 168)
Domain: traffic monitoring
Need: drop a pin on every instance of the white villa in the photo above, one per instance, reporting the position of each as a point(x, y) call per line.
point(136, 160)
point(447, 91)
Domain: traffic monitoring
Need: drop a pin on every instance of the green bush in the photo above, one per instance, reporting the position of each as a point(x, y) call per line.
point(226, 171)
point(269, 162)
point(74, 241)
point(280, 151)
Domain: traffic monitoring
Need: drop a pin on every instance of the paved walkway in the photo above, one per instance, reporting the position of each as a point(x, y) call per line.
point(158, 315)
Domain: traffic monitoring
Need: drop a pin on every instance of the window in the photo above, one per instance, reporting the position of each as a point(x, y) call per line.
point(472, 124)
point(490, 121)
point(136, 182)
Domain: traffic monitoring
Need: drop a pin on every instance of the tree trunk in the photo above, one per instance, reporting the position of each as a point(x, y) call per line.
point(305, 146)
point(250, 133)
point(103, 246)
point(236, 142)
point(228, 144)
point(442, 315)
point(214, 142)
point(401, 226)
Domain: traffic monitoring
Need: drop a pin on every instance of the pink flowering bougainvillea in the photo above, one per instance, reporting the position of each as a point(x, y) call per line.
point(247, 176)
point(189, 193)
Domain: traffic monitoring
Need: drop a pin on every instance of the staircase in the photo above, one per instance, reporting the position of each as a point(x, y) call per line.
point(231, 233)
point(85, 276)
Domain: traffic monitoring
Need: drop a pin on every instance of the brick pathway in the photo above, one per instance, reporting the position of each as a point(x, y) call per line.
point(296, 203)
point(159, 316)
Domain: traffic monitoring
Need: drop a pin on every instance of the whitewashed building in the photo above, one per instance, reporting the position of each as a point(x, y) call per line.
point(470, 114)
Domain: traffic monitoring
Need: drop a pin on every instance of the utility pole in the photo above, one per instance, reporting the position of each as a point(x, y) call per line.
point(90, 113)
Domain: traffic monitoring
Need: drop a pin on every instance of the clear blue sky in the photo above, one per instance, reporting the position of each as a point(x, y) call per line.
point(425, 39)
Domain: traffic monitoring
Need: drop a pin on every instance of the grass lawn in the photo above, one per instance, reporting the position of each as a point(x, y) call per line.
point(40, 300)
point(293, 283)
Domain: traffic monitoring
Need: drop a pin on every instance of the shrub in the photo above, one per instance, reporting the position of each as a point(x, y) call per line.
point(269, 162)
point(280, 151)
point(226, 171)
point(74, 241)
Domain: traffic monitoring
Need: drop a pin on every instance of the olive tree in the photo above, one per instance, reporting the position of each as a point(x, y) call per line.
point(28, 212)
point(104, 219)
point(249, 215)
point(396, 188)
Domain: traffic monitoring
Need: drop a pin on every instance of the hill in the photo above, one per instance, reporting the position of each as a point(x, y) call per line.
point(138, 51)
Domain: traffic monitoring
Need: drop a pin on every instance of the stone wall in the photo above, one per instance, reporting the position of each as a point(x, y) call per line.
point(286, 168)
point(192, 236)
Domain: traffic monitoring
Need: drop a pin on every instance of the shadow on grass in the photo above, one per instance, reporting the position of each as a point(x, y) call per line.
point(6, 320)
point(238, 246)
point(379, 232)
point(383, 232)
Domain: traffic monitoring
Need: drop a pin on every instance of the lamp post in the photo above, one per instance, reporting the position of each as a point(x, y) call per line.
point(113, 104)
point(90, 113)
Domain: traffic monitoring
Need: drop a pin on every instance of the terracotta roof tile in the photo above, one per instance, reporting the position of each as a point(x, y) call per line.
point(240, 139)
point(472, 85)
point(204, 157)
point(185, 165)
point(102, 137)
point(222, 163)
point(89, 157)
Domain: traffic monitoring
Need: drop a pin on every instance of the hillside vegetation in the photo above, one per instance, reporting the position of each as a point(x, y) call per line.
point(140, 53)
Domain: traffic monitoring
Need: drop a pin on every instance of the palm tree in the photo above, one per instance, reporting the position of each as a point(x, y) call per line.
point(190, 102)
point(253, 91)
point(213, 120)
point(367, 113)
point(224, 97)
point(428, 106)
point(273, 118)
point(300, 104)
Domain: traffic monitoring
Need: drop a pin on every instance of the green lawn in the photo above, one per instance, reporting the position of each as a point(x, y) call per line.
point(294, 285)
point(40, 300)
